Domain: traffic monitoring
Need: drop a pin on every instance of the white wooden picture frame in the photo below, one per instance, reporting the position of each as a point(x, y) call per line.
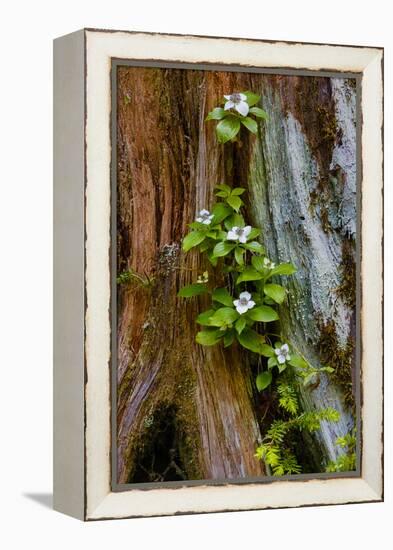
point(82, 248)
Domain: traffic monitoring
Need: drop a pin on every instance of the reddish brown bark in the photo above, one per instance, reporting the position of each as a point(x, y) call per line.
point(169, 163)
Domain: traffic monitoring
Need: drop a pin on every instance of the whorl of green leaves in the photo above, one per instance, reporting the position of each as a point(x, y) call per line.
point(244, 263)
point(229, 122)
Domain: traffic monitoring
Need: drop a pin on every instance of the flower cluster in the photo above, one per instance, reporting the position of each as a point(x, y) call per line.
point(239, 234)
point(237, 102)
point(239, 110)
point(241, 311)
point(204, 217)
point(222, 234)
point(244, 302)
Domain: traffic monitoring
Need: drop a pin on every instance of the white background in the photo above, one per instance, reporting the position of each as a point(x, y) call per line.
point(28, 28)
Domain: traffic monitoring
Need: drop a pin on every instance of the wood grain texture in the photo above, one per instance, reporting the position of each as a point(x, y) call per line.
point(168, 164)
point(168, 167)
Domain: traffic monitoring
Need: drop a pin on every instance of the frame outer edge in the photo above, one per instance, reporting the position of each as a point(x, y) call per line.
point(104, 504)
point(69, 276)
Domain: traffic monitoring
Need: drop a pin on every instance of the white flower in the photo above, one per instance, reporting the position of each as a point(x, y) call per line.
point(268, 263)
point(238, 102)
point(282, 354)
point(239, 234)
point(205, 217)
point(204, 278)
point(244, 303)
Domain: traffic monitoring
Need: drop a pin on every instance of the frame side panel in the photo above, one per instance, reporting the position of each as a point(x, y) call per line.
point(69, 302)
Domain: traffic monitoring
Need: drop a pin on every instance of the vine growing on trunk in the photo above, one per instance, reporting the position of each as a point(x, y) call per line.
point(242, 310)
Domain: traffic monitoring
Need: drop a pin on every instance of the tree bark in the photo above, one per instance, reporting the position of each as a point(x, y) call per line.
point(169, 164)
point(302, 182)
point(300, 176)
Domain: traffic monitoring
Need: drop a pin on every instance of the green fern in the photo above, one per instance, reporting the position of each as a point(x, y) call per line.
point(275, 449)
point(290, 464)
point(346, 462)
point(287, 398)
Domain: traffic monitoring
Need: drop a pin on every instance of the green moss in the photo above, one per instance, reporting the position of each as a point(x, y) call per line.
point(339, 358)
point(314, 108)
point(327, 123)
point(347, 288)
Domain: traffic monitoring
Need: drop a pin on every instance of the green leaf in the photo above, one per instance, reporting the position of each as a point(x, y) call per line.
point(262, 313)
point(249, 274)
point(227, 128)
point(236, 220)
point(272, 362)
point(208, 337)
point(222, 296)
point(240, 324)
point(216, 114)
point(224, 187)
point(212, 259)
point(224, 316)
point(204, 317)
point(267, 351)
point(254, 246)
point(298, 362)
point(250, 124)
point(257, 262)
point(260, 113)
point(220, 211)
point(222, 249)
point(254, 233)
point(229, 338)
point(193, 239)
point(221, 235)
point(263, 380)
point(251, 340)
point(283, 269)
point(252, 98)
point(281, 367)
point(192, 290)
point(235, 201)
point(199, 226)
point(239, 252)
point(206, 244)
point(276, 292)
point(327, 369)
point(307, 379)
point(237, 191)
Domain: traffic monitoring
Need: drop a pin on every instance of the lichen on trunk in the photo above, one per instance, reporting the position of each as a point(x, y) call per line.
point(302, 179)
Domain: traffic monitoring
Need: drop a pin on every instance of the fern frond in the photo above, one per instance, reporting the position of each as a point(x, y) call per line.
point(288, 398)
point(277, 431)
point(290, 463)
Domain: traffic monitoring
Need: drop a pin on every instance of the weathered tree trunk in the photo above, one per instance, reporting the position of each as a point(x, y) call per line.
point(302, 181)
point(169, 164)
point(300, 174)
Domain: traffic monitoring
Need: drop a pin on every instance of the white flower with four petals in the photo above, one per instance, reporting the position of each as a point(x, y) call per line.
point(268, 263)
point(237, 102)
point(282, 354)
point(205, 217)
point(239, 234)
point(244, 303)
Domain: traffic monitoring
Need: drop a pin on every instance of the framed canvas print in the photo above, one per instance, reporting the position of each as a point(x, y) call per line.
point(218, 274)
